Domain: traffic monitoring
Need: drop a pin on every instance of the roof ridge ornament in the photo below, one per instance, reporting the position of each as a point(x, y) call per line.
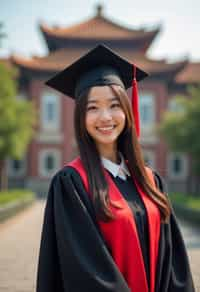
point(99, 10)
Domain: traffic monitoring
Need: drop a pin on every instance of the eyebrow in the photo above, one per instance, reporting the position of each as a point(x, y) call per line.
point(96, 101)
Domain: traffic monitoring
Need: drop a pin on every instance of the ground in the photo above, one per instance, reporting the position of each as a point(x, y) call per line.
point(19, 246)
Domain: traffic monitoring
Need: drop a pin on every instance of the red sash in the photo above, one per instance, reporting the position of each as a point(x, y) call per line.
point(122, 237)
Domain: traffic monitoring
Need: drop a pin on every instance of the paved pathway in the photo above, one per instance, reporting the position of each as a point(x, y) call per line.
point(19, 246)
point(192, 240)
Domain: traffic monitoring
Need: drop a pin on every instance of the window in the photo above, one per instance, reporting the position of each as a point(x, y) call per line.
point(16, 168)
point(49, 162)
point(147, 109)
point(50, 113)
point(177, 166)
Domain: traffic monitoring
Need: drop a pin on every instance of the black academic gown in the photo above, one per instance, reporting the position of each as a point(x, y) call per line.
point(74, 257)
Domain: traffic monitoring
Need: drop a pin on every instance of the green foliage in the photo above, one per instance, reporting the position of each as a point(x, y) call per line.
point(186, 200)
point(7, 197)
point(17, 117)
point(181, 127)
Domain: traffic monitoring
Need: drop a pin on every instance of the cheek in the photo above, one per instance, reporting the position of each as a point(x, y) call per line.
point(120, 117)
point(89, 120)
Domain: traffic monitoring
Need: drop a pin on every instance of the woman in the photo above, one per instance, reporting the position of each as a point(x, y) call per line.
point(108, 224)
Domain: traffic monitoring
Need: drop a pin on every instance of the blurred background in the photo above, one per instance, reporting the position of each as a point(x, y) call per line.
point(40, 38)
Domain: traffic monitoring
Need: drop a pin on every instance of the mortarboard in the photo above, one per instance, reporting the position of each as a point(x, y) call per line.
point(100, 66)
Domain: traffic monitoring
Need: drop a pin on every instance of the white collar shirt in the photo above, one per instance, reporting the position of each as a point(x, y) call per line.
point(120, 170)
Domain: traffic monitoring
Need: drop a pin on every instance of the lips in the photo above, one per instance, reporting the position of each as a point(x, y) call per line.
point(106, 129)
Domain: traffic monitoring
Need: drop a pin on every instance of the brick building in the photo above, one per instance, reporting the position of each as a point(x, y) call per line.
point(54, 144)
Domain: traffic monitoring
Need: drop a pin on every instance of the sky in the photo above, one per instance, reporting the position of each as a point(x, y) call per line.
point(179, 20)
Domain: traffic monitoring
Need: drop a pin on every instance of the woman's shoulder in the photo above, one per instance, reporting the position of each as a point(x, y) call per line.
point(69, 170)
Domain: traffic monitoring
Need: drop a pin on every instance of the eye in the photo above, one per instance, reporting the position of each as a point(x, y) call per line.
point(115, 105)
point(92, 107)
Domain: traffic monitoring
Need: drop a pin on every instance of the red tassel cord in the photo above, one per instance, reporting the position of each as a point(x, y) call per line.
point(135, 103)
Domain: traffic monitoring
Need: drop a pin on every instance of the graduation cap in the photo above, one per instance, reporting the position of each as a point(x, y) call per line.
point(100, 66)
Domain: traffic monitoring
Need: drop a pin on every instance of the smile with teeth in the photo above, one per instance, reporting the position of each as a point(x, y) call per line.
point(109, 128)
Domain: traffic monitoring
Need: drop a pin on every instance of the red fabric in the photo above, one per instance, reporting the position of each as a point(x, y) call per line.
point(122, 237)
point(135, 103)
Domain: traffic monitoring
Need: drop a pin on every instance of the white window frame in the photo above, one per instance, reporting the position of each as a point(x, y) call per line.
point(147, 99)
point(50, 97)
point(21, 172)
point(42, 156)
point(184, 172)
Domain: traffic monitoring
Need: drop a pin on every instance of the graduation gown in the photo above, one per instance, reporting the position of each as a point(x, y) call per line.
point(75, 257)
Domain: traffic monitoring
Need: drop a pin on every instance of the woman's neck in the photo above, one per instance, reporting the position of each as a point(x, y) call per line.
point(110, 153)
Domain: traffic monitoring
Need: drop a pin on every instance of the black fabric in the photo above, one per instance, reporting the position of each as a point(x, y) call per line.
point(74, 257)
point(102, 75)
point(87, 71)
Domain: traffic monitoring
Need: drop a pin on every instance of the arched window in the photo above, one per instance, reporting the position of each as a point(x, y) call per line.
point(17, 167)
point(49, 162)
point(147, 109)
point(177, 166)
point(50, 111)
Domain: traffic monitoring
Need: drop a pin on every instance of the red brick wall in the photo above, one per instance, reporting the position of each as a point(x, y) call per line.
point(161, 101)
point(35, 91)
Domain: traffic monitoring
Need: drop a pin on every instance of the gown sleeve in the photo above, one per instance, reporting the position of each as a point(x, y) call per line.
point(173, 269)
point(73, 256)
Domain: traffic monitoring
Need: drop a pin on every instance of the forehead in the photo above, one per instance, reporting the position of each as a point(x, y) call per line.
point(101, 94)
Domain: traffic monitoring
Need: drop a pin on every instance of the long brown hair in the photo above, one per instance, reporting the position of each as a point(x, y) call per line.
point(127, 144)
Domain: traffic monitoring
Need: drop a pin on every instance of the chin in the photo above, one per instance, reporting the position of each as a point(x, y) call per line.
point(105, 141)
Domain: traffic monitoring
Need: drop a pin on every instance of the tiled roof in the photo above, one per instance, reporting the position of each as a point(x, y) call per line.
point(53, 62)
point(98, 27)
point(190, 74)
point(60, 59)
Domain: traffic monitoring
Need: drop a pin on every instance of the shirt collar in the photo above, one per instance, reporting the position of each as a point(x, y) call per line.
point(120, 170)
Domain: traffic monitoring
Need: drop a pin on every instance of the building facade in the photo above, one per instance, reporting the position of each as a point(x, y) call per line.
point(54, 143)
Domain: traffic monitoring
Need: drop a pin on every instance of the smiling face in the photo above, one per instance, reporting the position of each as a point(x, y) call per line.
point(105, 119)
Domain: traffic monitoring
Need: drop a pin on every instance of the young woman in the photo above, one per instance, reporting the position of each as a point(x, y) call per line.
point(108, 224)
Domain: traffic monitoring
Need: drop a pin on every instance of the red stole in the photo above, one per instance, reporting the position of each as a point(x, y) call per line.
point(121, 234)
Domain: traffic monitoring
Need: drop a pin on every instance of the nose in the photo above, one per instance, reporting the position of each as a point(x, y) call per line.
point(105, 115)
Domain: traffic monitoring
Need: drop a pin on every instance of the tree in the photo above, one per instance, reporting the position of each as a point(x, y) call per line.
point(17, 120)
point(181, 127)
